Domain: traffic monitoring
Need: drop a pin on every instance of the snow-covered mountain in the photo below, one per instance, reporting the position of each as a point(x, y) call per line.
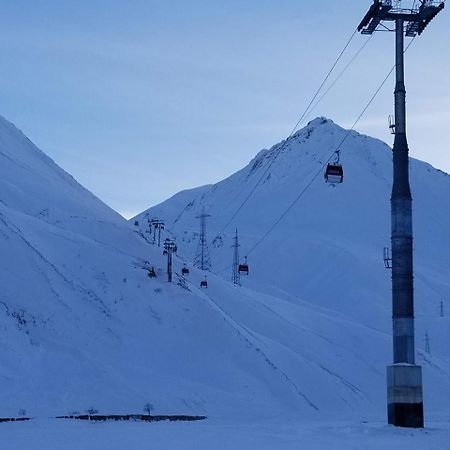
point(324, 253)
point(83, 326)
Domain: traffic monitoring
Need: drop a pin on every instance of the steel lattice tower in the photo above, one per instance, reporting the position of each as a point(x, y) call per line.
point(157, 224)
point(235, 275)
point(170, 247)
point(202, 259)
point(404, 377)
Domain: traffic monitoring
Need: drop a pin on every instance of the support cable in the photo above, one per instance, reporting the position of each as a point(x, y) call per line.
point(352, 60)
point(283, 144)
point(347, 134)
point(322, 167)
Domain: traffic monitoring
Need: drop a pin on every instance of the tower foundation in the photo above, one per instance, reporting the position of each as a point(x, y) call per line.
point(405, 397)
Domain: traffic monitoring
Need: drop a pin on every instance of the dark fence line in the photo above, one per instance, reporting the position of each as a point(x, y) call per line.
point(14, 419)
point(135, 417)
point(115, 417)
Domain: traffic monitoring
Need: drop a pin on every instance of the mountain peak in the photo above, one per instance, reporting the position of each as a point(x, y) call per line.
point(320, 124)
point(318, 121)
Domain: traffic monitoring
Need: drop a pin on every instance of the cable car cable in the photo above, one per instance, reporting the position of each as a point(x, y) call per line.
point(337, 151)
point(283, 144)
point(352, 60)
point(303, 191)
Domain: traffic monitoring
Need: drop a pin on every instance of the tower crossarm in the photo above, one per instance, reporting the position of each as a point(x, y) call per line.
point(416, 20)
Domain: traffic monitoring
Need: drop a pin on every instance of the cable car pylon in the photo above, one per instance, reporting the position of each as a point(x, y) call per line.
point(235, 273)
point(202, 260)
point(404, 377)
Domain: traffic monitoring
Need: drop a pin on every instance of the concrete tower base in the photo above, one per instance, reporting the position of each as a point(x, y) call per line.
point(405, 399)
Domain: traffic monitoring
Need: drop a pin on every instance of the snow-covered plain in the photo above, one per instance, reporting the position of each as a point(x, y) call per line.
point(276, 434)
point(295, 356)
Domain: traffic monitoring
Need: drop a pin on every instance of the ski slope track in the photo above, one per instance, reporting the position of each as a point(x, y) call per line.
point(317, 303)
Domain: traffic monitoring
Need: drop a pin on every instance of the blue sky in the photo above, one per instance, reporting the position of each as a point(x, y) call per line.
point(140, 99)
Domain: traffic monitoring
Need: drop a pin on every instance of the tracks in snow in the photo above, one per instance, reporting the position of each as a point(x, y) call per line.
point(249, 338)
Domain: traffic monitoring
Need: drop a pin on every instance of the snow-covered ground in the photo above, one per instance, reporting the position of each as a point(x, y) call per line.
point(276, 434)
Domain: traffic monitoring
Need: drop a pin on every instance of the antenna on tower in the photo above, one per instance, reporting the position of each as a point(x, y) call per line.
point(387, 258)
point(235, 274)
point(169, 248)
point(202, 259)
point(391, 121)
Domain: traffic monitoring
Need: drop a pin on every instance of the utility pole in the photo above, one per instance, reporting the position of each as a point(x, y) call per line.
point(427, 343)
point(170, 247)
point(154, 231)
point(160, 227)
point(157, 224)
point(235, 275)
point(202, 260)
point(404, 377)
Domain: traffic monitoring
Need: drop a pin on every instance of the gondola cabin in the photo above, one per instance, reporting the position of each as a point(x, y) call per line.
point(165, 252)
point(184, 271)
point(243, 269)
point(334, 173)
point(204, 284)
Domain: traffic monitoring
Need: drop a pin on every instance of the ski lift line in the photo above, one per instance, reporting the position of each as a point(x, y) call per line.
point(283, 144)
point(337, 151)
point(352, 60)
point(323, 82)
point(320, 171)
point(370, 101)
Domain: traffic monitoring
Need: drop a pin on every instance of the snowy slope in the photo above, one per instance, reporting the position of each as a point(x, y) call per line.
point(333, 235)
point(326, 253)
point(83, 326)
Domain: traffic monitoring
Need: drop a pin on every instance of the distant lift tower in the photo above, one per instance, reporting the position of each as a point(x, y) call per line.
point(202, 260)
point(235, 274)
point(404, 377)
point(157, 224)
point(169, 248)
